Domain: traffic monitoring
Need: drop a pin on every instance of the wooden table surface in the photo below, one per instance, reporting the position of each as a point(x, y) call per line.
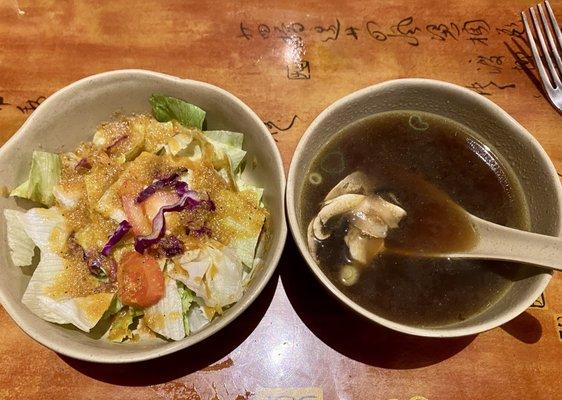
point(288, 61)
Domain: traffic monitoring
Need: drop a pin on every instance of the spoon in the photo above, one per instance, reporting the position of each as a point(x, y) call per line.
point(493, 241)
point(497, 242)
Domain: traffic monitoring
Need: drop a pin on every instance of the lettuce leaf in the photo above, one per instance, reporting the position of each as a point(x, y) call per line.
point(187, 297)
point(122, 326)
point(114, 307)
point(165, 108)
point(46, 228)
point(166, 316)
point(21, 245)
point(247, 229)
point(48, 231)
point(68, 197)
point(197, 318)
point(235, 154)
point(228, 138)
point(155, 133)
point(179, 143)
point(213, 274)
point(224, 278)
point(245, 247)
point(43, 176)
point(253, 194)
point(230, 143)
point(193, 266)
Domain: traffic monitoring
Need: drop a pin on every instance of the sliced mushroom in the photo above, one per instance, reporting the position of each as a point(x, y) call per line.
point(338, 206)
point(369, 224)
point(389, 212)
point(369, 217)
point(312, 241)
point(356, 182)
point(375, 215)
point(363, 248)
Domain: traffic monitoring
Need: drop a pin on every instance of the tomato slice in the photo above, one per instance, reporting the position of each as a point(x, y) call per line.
point(134, 212)
point(141, 283)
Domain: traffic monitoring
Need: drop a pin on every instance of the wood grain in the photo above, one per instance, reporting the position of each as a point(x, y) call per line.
point(295, 335)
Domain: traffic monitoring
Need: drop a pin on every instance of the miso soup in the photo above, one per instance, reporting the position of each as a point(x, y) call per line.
point(432, 167)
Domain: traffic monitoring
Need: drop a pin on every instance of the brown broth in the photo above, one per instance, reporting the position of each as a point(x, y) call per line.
point(435, 223)
point(431, 165)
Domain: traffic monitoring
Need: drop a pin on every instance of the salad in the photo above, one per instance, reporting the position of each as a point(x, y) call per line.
point(146, 231)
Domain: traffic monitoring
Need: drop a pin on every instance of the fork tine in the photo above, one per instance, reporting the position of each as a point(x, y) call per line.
point(538, 62)
point(545, 51)
point(546, 26)
point(555, 25)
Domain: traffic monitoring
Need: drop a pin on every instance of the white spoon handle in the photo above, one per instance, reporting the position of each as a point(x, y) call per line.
point(501, 243)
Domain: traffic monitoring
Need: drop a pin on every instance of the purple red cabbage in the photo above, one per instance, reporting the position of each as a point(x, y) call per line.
point(121, 230)
point(203, 231)
point(209, 205)
point(101, 266)
point(181, 187)
point(171, 180)
point(171, 246)
point(83, 164)
point(116, 142)
point(188, 201)
point(96, 269)
point(94, 261)
point(73, 246)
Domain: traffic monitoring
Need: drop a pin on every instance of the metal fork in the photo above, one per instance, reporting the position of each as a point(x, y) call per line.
point(551, 78)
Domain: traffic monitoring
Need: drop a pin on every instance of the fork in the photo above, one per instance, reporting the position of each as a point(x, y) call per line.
point(551, 78)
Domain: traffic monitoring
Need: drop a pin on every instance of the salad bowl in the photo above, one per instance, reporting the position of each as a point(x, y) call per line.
point(69, 117)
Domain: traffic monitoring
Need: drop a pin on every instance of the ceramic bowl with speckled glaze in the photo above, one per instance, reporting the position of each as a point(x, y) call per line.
point(69, 117)
point(530, 163)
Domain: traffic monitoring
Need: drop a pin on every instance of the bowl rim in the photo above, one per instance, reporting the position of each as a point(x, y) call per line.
point(276, 249)
point(293, 177)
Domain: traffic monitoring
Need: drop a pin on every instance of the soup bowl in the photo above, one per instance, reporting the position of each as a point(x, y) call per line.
point(510, 141)
point(70, 116)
